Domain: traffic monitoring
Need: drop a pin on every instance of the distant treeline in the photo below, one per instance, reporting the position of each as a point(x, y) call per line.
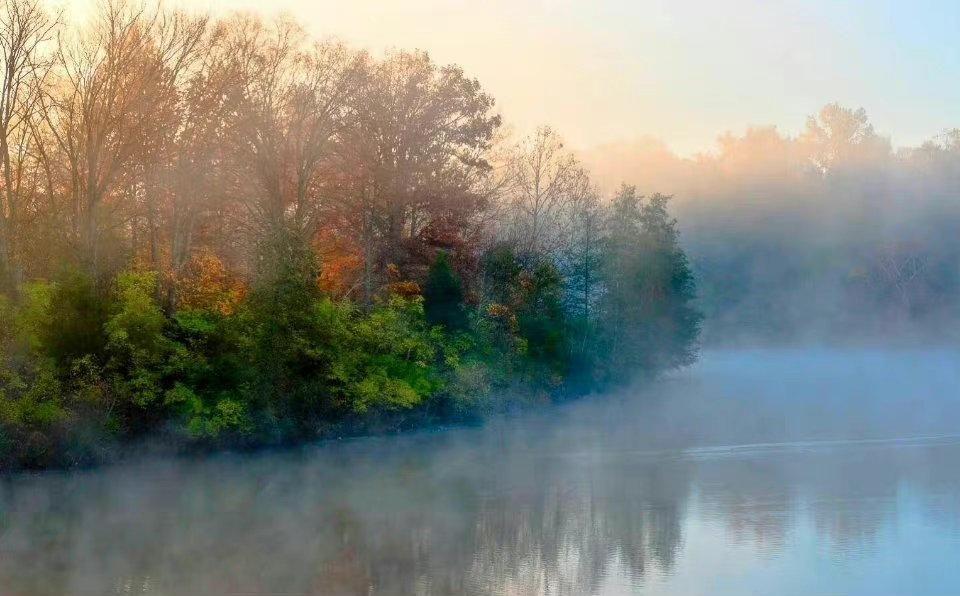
point(831, 234)
point(223, 233)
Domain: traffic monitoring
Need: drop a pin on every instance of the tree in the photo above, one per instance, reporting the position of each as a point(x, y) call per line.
point(195, 169)
point(417, 144)
point(284, 337)
point(501, 271)
point(839, 136)
point(542, 321)
point(183, 46)
point(289, 104)
point(25, 30)
point(545, 183)
point(582, 267)
point(443, 296)
point(523, 302)
point(246, 219)
point(647, 316)
point(108, 116)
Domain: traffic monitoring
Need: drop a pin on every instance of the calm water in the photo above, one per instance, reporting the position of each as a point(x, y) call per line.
point(766, 472)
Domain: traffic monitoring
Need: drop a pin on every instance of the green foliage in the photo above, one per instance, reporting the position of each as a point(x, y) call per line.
point(7, 322)
point(501, 273)
point(443, 296)
point(471, 391)
point(137, 348)
point(648, 320)
point(135, 328)
point(207, 398)
point(526, 318)
point(84, 368)
point(71, 325)
point(280, 337)
point(31, 317)
point(541, 318)
point(396, 356)
point(226, 417)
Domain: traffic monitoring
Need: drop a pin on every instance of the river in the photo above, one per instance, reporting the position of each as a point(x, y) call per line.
point(788, 472)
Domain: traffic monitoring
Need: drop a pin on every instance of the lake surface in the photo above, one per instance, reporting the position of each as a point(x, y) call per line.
point(772, 472)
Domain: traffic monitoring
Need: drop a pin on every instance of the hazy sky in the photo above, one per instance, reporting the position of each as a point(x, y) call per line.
point(681, 70)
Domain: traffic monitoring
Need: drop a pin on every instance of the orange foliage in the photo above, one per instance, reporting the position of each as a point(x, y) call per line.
point(340, 264)
point(503, 315)
point(498, 311)
point(406, 289)
point(207, 284)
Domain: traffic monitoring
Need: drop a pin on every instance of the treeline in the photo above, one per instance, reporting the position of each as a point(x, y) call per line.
point(222, 232)
point(829, 234)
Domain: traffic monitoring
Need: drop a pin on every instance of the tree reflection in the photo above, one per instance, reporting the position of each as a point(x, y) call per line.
point(520, 507)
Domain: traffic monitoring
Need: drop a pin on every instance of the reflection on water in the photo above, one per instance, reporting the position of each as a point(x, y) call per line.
point(754, 473)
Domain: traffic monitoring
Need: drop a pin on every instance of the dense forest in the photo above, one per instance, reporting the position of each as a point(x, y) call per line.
point(223, 233)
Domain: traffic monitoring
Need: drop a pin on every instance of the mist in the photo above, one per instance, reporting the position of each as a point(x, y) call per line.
point(716, 481)
point(831, 235)
point(373, 302)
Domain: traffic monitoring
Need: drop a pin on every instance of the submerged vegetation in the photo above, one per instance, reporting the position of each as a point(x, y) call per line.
point(226, 234)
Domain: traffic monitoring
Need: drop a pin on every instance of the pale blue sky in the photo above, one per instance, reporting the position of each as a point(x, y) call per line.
point(681, 70)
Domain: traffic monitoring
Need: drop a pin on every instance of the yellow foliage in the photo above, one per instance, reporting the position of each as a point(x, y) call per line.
point(405, 289)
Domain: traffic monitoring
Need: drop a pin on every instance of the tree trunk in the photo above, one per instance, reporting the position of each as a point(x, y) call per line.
point(7, 284)
point(90, 242)
point(9, 265)
point(367, 239)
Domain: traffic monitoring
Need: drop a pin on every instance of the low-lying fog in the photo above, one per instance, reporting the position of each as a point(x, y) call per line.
point(767, 472)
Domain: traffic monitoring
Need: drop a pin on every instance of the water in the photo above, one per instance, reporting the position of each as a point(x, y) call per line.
point(755, 472)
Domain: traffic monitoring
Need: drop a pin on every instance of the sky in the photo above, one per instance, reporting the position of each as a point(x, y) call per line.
point(684, 71)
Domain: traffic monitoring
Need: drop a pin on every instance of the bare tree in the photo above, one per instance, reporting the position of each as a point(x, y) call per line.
point(194, 176)
point(180, 43)
point(25, 31)
point(107, 115)
point(545, 183)
point(898, 270)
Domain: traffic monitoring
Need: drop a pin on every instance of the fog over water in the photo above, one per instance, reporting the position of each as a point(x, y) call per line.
point(754, 472)
point(231, 229)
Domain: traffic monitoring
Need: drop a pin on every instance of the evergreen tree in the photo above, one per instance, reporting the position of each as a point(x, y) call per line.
point(542, 320)
point(443, 296)
point(582, 262)
point(282, 331)
point(501, 272)
point(648, 320)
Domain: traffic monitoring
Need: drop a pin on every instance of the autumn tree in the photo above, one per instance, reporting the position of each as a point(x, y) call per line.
point(181, 44)
point(291, 99)
point(107, 115)
point(194, 170)
point(418, 144)
point(26, 30)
